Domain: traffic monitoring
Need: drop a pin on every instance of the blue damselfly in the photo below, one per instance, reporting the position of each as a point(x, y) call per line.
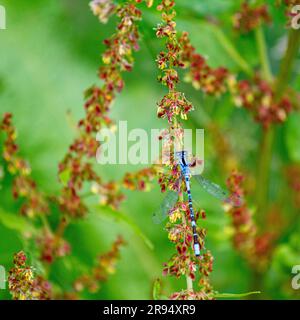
point(172, 196)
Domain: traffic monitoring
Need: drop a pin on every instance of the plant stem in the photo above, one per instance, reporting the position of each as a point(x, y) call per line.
point(287, 63)
point(235, 295)
point(61, 227)
point(266, 146)
point(263, 172)
point(225, 42)
point(263, 54)
point(265, 155)
point(45, 222)
point(189, 281)
point(232, 51)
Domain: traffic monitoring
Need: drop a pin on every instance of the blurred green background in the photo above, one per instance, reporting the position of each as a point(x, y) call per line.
point(50, 53)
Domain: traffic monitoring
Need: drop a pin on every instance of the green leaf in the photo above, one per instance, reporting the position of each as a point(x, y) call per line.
point(293, 137)
point(121, 217)
point(235, 295)
point(15, 222)
point(206, 7)
point(156, 289)
point(64, 177)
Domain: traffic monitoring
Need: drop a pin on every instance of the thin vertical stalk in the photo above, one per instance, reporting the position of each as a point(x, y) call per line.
point(264, 164)
point(224, 41)
point(232, 51)
point(287, 62)
point(263, 53)
point(266, 147)
point(189, 281)
point(265, 154)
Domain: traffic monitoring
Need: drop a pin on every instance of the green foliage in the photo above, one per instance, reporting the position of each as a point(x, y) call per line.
point(157, 289)
point(43, 73)
point(293, 137)
point(15, 222)
point(235, 295)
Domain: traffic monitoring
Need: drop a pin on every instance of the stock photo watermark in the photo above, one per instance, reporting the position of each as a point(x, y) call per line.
point(2, 278)
point(295, 12)
point(296, 279)
point(2, 18)
point(139, 146)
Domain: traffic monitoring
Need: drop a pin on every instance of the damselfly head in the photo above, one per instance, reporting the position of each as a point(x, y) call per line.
point(182, 159)
point(182, 156)
point(187, 160)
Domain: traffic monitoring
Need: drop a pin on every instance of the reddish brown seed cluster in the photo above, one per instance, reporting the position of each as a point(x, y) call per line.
point(174, 103)
point(117, 58)
point(200, 74)
point(23, 186)
point(250, 17)
point(103, 9)
point(192, 295)
point(256, 95)
point(140, 180)
point(109, 194)
point(259, 98)
point(105, 266)
point(35, 203)
point(205, 291)
point(264, 244)
point(170, 179)
point(22, 283)
point(256, 248)
point(76, 169)
point(242, 221)
point(52, 246)
point(174, 106)
point(77, 172)
point(181, 234)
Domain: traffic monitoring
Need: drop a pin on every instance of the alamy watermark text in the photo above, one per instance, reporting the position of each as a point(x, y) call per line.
point(2, 18)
